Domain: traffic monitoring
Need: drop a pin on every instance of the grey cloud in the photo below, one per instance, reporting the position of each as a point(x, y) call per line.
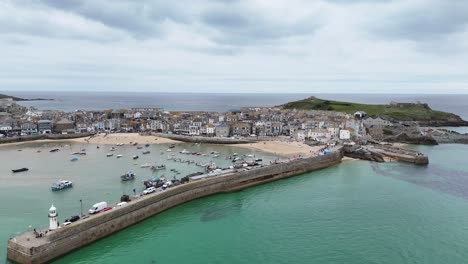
point(139, 19)
point(425, 23)
point(240, 27)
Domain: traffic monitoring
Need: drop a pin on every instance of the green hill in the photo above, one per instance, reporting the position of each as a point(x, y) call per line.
point(395, 112)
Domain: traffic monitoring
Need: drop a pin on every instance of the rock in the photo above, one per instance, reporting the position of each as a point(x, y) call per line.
point(418, 140)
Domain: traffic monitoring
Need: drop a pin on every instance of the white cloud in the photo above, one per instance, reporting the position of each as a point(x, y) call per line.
point(247, 46)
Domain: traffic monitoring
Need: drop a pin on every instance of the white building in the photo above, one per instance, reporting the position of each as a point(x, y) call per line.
point(345, 134)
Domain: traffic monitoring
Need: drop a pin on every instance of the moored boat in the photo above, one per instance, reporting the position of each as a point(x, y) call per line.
point(158, 167)
point(119, 156)
point(130, 175)
point(146, 152)
point(135, 157)
point(60, 185)
point(20, 170)
point(74, 159)
point(109, 155)
point(146, 165)
point(54, 150)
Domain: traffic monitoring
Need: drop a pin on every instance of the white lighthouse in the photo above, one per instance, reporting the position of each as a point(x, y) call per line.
point(53, 224)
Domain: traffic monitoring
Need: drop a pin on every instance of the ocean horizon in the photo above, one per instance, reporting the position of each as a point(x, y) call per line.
point(221, 102)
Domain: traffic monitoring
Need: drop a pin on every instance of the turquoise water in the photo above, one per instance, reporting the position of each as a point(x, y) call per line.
point(356, 212)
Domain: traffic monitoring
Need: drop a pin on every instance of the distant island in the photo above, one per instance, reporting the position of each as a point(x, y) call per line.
point(3, 96)
point(395, 112)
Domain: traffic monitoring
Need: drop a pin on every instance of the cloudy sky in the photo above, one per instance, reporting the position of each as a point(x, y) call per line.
point(303, 46)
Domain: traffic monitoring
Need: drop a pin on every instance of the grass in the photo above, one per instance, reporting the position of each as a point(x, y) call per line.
point(400, 111)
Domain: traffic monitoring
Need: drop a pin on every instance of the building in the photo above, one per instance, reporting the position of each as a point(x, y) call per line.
point(345, 134)
point(241, 129)
point(28, 128)
point(64, 125)
point(44, 126)
point(222, 130)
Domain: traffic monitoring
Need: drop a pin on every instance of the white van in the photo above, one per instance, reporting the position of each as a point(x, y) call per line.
point(98, 207)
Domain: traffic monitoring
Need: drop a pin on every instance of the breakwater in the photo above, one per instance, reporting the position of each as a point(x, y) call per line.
point(206, 140)
point(382, 153)
point(40, 137)
point(28, 249)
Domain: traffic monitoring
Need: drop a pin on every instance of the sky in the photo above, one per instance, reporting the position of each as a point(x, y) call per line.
point(270, 46)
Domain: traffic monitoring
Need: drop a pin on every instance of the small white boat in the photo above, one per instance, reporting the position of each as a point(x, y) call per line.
point(168, 150)
point(109, 155)
point(119, 156)
point(184, 152)
point(146, 165)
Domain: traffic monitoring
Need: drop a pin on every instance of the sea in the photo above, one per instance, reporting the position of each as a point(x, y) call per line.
point(357, 212)
point(221, 102)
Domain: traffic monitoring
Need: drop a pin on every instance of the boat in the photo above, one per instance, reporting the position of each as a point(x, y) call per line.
point(74, 159)
point(147, 145)
point(97, 147)
point(185, 151)
point(168, 150)
point(20, 170)
point(54, 150)
point(75, 153)
point(135, 157)
point(146, 152)
point(109, 155)
point(172, 146)
point(119, 156)
point(82, 153)
point(130, 175)
point(139, 147)
point(146, 165)
point(215, 156)
point(134, 144)
point(113, 149)
point(60, 185)
point(159, 167)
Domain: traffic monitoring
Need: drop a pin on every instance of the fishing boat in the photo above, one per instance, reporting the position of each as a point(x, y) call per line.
point(109, 155)
point(146, 152)
point(54, 150)
point(135, 157)
point(60, 185)
point(119, 156)
point(130, 175)
point(74, 159)
point(159, 167)
point(20, 170)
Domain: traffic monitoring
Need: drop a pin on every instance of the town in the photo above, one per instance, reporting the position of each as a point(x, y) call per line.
point(311, 126)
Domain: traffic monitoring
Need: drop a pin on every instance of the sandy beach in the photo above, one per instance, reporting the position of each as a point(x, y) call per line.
point(281, 148)
point(124, 138)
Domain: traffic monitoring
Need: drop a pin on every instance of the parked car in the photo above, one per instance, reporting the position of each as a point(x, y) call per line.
point(107, 209)
point(121, 204)
point(73, 218)
point(149, 190)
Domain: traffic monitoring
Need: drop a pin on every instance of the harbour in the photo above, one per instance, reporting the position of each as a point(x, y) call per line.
point(29, 249)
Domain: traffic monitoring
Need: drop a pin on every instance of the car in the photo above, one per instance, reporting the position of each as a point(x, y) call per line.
point(107, 209)
point(73, 218)
point(149, 190)
point(121, 204)
point(66, 223)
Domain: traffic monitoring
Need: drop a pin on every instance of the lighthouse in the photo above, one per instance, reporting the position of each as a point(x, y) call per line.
point(53, 224)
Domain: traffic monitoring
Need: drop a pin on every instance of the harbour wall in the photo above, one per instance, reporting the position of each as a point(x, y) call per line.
point(81, 233)
point(40, 137)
